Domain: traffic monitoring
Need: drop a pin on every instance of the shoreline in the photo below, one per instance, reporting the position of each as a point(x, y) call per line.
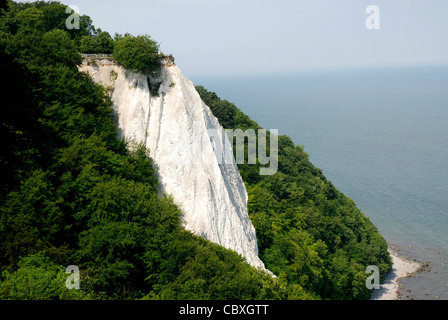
point(401, 268)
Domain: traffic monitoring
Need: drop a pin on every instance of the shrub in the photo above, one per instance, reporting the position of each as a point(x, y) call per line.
point(139, 54)
point(38, 279)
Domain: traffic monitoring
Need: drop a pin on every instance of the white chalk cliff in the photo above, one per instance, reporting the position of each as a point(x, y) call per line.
point(181, 134)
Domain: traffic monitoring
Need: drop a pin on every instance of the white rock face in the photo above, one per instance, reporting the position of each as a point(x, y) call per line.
point(181, 133)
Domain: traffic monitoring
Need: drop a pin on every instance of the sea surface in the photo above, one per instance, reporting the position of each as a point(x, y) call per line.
point(381, 136)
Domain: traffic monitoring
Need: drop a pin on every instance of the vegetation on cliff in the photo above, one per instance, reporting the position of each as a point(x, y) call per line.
point(139, 54)
point(72, 194)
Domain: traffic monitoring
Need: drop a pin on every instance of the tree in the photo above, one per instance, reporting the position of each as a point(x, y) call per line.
point(139, 54)
point(60, 48)
point(101, 43)
point(30, 19)
point(3, 6)
point(87, 44)
point(104, 43)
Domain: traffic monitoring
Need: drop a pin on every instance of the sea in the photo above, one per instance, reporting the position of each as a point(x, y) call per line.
point(380, 135)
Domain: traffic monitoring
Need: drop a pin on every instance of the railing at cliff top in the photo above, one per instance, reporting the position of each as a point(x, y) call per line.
point(96, 55)
point(168, 58)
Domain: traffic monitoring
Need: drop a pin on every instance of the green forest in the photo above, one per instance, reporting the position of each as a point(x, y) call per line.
point(71, 193)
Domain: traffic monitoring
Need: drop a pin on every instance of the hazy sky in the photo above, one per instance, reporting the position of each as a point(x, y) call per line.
point(246, 36)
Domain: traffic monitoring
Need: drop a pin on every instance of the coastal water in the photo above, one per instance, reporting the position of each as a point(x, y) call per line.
point(381, 136)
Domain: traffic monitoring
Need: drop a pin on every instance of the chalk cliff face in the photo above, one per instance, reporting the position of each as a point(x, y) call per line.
point(190, 149)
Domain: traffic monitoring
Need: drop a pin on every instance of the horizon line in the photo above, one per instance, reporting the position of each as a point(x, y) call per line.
point(315, 69)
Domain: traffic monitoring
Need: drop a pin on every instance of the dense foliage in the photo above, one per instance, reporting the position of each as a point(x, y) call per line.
point(100, 43)
point(71, 193)
point(139, 54)
point(307, 230)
